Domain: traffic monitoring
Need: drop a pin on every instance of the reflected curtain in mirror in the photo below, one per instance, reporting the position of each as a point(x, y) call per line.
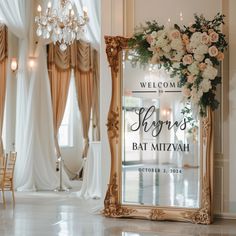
point(3, 61)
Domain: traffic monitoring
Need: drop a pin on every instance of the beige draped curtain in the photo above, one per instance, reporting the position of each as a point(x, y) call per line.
point(59, 76)
point(3, 62)
point(83, 59)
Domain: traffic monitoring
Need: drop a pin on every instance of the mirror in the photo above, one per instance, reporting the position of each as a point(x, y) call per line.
point(160, 145)
point(161, 156)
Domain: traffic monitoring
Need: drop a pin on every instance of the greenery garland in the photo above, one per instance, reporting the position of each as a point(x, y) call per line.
point(192, 53)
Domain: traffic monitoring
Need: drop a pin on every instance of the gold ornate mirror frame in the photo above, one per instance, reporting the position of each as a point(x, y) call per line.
point(113, 206)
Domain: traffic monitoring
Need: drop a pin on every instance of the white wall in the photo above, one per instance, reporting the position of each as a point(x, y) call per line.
point(161, 10)
point(232, 104)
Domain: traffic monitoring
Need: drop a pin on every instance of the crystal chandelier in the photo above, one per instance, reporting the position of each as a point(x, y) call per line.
point(61, 25)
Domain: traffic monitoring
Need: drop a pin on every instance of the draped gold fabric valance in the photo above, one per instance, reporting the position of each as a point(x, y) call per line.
point(3, 42)
point(79, 55)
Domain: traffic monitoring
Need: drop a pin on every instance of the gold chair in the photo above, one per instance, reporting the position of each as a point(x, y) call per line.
point(3, 165)
point(7, 183)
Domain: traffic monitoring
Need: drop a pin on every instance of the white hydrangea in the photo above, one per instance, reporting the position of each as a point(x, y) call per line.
point(176, 65)
point(161, 42)
point(201, 49)
point(166, 48)
point(193, 68)
point(176, 44)
point(209, 62)
point(210, 72)
point(195, 39)
point(205, 85)
point(178, 55)
point(196, 95)
point(154, 34)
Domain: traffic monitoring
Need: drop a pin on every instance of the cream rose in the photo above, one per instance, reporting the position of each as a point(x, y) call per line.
point(186, 91)
point(214, 37)
point(213, 51)
point(188, 59)
point(189, 48)
point(149, 39)
point(175, 34)
point(199, 57)
point(191, 79)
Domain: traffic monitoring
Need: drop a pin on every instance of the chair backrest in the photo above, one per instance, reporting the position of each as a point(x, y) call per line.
point(10, 164)
point(3, 162)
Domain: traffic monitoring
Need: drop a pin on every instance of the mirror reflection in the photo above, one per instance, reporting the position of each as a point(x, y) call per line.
point(160, 139)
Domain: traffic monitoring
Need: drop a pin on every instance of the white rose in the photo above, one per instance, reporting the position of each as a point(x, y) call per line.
point(201, 49)
point(194, 69)
point(210, 72)
point(205, 85)
point(199, 57)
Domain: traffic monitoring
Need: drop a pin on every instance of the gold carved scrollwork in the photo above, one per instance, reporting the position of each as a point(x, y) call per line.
point(114, 47)
point(203, 215)
point(112, 206)
point(206, 125)
point(157, 214)
point(113, 124)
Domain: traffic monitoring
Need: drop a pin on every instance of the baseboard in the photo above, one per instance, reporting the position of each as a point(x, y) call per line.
point(228, 216)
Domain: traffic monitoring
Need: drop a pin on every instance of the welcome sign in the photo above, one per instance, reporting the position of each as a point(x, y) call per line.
point(160, 141)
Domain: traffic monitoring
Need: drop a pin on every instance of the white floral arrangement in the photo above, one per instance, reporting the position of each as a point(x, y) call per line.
point(192, 54)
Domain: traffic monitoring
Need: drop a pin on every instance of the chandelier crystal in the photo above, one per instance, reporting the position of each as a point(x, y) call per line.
point(61, 25)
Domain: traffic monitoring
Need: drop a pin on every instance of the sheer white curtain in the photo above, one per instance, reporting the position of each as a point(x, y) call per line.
point(39, 145)
point(16, 15)
point(35, 165)
point(92, 33)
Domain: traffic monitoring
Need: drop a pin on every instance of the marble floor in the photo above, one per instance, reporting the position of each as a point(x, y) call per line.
point(62, 214)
